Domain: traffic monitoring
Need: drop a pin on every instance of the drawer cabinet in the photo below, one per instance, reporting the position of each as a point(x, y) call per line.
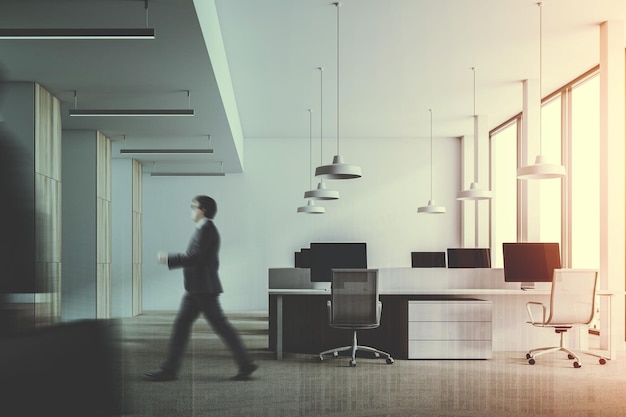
point(449, 329)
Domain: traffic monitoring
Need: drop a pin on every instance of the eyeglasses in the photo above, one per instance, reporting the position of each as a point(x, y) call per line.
point(194, 206)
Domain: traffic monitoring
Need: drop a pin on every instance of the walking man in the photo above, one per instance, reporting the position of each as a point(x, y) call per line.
point(200, 265)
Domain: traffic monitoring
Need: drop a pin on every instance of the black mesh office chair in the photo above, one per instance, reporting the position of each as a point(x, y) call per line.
point(572, 302)
point(355, 306)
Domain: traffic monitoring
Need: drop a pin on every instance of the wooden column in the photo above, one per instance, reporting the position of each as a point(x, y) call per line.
point(612, 178)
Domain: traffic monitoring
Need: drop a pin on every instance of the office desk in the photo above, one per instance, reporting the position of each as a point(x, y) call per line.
point(299, 322)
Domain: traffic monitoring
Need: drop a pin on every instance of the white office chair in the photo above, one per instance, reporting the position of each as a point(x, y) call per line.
point(355, 306)
point(572, 302)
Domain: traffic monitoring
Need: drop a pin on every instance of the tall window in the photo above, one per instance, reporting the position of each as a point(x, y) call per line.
point(504, 186)
point(550, 190)
point(585, 174)
point(570, 120)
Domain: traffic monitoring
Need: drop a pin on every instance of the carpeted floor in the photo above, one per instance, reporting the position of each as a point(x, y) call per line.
point(301, 385)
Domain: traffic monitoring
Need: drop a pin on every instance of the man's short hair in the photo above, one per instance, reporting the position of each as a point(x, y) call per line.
point(206, 204)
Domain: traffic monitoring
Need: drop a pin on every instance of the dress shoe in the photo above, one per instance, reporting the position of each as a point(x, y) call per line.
point(245, 372)
point(160, 375)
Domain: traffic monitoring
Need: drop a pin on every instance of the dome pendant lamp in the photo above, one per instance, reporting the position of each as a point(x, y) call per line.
point(431, 208)
point(311, 208)
point(321, 192)
point(541, 169)
point(338, 170)
point(475, 192)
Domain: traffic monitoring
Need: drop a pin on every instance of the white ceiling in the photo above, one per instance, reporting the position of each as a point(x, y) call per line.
point(397, 59)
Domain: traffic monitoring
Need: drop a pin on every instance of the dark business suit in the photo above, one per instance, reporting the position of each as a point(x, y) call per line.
point(200, 265)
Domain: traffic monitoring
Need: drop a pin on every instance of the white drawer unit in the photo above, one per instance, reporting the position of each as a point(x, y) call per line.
point(449, 329)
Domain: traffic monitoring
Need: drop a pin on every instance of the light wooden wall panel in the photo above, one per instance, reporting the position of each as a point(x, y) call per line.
point(48, 206)
point(103, 231)
point(137, 256)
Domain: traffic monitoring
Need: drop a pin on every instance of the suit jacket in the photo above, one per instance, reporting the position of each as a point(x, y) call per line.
point(200, 263)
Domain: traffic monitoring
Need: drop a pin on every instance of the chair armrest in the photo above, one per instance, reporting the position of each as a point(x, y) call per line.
point(379, 309)
point(530, 313)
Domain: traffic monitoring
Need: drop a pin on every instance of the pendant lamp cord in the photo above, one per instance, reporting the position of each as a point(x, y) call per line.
point(321, 112)
point(310, 149)
point(146, 10)
point(337, 6)
point(431, 154)
point(476, 138)
point(540, 75)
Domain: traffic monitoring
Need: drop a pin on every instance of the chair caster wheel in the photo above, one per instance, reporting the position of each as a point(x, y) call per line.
point(569, 356)
point(352, 363)
point(602, 361)
point(577, 365)
point(389, 360)
point(528, 356)
point(321, 359)
point(531, 361)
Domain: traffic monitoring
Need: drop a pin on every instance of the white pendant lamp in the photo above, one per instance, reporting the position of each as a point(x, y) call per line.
point(338, 170)
point(311, 208)
point(475, 192)
point(432, 207)
point(321, 192)
point(541, 169)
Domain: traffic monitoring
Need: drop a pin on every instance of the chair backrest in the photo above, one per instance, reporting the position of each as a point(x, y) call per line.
point(573, 296)
point(354, 297)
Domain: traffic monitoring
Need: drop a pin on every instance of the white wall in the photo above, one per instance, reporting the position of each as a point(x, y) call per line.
point(261, 229)
point(79, 225)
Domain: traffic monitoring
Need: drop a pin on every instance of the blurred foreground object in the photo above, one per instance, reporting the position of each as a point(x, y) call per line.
point(70, 370)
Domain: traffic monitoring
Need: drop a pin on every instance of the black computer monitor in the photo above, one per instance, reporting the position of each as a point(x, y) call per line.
point(428, 259)
point(302, 258)
point(326, 256)
point(530, 261)
point(469, 258)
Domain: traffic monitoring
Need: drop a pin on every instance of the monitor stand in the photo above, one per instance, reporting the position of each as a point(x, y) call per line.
point(527, 286)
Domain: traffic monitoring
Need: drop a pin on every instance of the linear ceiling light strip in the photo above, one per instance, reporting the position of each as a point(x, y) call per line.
point(33, 33)
point(166, 151)
point(130, 112)
point(187, 174)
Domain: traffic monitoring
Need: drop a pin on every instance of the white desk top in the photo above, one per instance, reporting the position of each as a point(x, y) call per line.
point(414, 291)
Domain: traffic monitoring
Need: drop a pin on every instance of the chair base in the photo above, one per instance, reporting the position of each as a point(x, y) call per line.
point(354, 348)
point(532, 354)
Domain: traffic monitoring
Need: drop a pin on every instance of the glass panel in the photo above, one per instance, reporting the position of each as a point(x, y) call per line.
point(504, 186)
point(585, 175)
point(550, 190)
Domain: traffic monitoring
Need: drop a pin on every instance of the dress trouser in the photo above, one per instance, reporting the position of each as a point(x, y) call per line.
point(190, 308)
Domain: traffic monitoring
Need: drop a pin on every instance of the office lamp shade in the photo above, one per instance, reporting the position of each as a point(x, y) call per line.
point(321, 192)
point(338, 170)
point(431, 208)
point(480, 132)
point(311, 208)
point(541, 169)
